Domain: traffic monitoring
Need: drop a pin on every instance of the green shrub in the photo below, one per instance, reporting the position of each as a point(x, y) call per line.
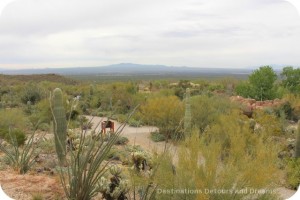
point(157, 137)
point(293, 173)
point(15, 133)
point(14, 118)
point(20, 158)
point(122, 140)
point(119, 155)
point(134, 123)
point(31, 93)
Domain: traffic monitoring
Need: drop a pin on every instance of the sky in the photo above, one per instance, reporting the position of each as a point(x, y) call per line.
point(194, 33)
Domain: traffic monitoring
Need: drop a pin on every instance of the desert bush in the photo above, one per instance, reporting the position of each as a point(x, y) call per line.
point(122, 140)
point(157, 137)
point(134, 123)
point(13, 118)
point(31, 93)
point(269, 124)
point(7, 134)
point(164, 112)
point(223, 158)
point(120, 155)
point(294, 101)
point(293, 173)
point(206, 110)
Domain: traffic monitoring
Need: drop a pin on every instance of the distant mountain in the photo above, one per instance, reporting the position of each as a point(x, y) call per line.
point(130, 69)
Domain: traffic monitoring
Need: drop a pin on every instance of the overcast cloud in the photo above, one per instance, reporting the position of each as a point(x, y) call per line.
point(196, 33)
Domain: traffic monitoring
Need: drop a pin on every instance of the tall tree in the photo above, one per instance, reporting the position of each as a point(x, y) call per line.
point(291, 79)
point(263, 80)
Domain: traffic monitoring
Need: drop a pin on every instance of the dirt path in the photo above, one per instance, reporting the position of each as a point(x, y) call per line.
point(136, 135)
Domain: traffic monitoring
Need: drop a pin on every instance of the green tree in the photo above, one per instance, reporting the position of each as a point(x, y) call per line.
point(291, 79)
point(263, 80)
point(245, 89)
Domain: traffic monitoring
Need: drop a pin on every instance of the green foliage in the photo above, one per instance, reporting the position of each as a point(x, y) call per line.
point(291, 79)
point(293, 173)
point(134, 123)
point(157, 137)
point(31, 93)
point(85, 166)
point(21, 158)
point(261, 85)
point(188, 114)
point(270, 125)
point(122, 140)
point(13, 118)
point(206, 110)
point(263, 80)
point(245, 89)
point(294, 101)
point(164, 112)
point(285, 109)
point(59, 125)
point(19, 135)
point(223, 158)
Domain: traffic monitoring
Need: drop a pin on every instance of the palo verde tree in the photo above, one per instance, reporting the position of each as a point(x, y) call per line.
point(262, 81)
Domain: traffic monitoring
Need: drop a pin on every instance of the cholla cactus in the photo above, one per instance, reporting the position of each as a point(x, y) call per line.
point(142, 160)
point(115, 170)
point(188, 115)
point(60, 124)
point(73, 139)
point(117, 188)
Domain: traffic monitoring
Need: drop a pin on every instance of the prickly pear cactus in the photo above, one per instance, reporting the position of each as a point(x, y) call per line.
point(188, 115)
point(59, 125)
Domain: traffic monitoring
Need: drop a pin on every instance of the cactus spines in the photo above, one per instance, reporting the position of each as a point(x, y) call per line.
point(60, 125)
point(187, 115)
point(297, 153)
point(115, 170)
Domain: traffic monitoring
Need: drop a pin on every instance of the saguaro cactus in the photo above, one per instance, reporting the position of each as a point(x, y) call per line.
point(297, 155)
point(60, 124)
point(188, 115)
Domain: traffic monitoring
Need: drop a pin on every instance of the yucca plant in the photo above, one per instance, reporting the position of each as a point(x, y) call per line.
point(22, 157)
point(84, 165)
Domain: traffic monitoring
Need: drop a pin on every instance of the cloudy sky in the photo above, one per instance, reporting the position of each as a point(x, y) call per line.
point(195, 33)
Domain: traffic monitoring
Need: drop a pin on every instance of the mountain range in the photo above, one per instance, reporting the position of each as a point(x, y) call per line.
point(130, 69)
